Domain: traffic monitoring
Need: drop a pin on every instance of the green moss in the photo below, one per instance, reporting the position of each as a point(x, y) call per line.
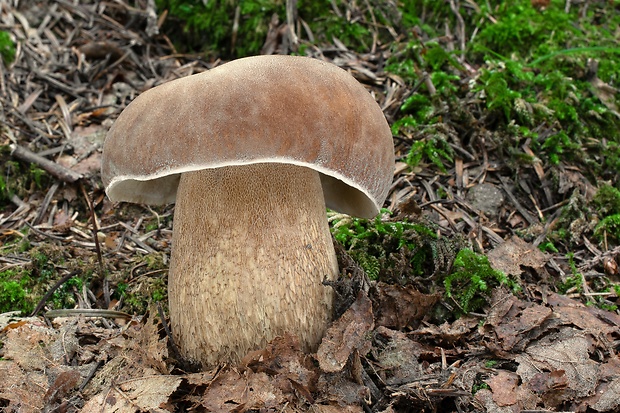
point(607, 200)
point(154, 261)
point(209, 26)
point(394, 251)
point(575, 281)
point(608, 228)
point(140, 293)
point(7, 47)
point(15, 291)
point(471, 280)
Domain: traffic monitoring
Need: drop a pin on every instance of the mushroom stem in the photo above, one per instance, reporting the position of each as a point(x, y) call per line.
point(251, 248)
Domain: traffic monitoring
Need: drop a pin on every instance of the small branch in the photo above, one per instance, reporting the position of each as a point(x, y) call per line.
point(49, 293)
point(59, 171)
point(93, 219)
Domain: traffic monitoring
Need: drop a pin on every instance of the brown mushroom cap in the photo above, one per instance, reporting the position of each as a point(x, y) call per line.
point(277, 109)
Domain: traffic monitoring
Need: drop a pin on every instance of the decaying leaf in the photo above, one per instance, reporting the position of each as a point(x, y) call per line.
point(604, 325)
point(64, 383)
point(514, 253)
point(504, 385)
point(567, 351)
point(21, 391)
point(515, 322)
point(398, 361)
point(341, 390)
point(399, 307)
point(450, 333)
point(135, 395)
point(233, 391)
point(348, 333)
point(292, 370)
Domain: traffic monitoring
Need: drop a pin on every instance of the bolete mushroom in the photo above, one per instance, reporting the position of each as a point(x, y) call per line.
point(251, 151)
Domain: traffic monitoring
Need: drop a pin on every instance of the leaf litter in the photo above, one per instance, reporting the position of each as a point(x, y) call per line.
point(385, 352)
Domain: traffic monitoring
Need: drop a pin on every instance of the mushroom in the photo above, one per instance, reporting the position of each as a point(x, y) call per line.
point(252, 152)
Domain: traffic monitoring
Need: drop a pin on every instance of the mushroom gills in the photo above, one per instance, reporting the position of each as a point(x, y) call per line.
point(251, 248)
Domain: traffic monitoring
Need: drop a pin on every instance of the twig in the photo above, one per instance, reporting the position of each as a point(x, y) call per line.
point(49, 292)
point(87, 312)
point(45, 204)
point(95, 231)
point(91, 374)
point(59, 171)
point(175, 349)
point(528, 217)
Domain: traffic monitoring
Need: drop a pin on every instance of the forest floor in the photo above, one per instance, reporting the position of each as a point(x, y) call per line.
point(83, 301)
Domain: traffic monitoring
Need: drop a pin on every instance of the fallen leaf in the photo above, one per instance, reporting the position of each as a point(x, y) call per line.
point(232, 391)
point(397, 361)
point(515, 323)
point(21, 391)
point(450, 333)
point(600, 323)
point(290, 368)
point(140, 394)
point(64, 383)
point(511, 255)
point(567, 350)
point(608, 396)
point(398, 307)
point(504, 386)
point(348, 333)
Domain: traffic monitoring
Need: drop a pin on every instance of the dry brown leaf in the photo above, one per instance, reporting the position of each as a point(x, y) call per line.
point(504, 387)
point(515, 323)
point(232, 391)
point(607, 396)
point(606, 93)
point(566, 350)
point(339, 389)
point(399, 307)
point(21, 391)
point(347, 334)
point(550, 386)
point(516, 329)
point(64, 383)
point(514, 253)
point(152, 349)
point(89, 166)
point(291, 370)
point(398, 360)
point(318, 408)
point(600, 323)
point(484, 397)
point(29, 346)
point(450, 333)
point(142, 394)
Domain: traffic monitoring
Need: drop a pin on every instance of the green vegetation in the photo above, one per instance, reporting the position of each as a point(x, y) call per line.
point(18, 178)
point(14, 292)
point(434, 149)
point(7, 48)
point(471, 279)
point(530, 76)
point(387, 250)
point(148, 285)
point(21, 289)
point(209, 25)
point(239, 28)
point(405, 252)
point(575, 281)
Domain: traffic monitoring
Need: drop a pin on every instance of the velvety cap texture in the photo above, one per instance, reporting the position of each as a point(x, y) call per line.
point(277, 109)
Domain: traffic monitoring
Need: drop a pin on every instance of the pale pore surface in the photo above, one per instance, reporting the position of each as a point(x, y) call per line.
point(251, 247)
